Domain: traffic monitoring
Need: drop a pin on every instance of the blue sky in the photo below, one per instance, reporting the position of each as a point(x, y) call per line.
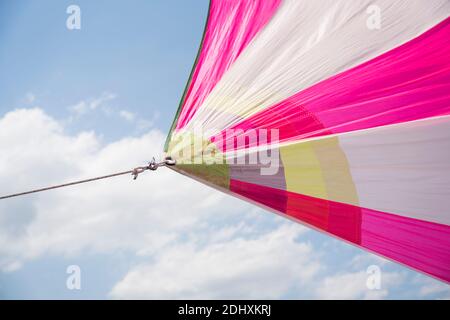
point(141, 51)
point(100, 99)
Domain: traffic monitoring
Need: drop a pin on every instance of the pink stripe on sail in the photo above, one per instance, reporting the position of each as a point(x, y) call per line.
point(408, 83)
point(339, 219)
point(231, 26)
point(277, 199)
point(419, 244)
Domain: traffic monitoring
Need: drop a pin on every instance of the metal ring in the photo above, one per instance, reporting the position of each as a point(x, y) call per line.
point(169, 161)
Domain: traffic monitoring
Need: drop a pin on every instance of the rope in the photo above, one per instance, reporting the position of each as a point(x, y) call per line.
point(65, 185)
point(135, 172)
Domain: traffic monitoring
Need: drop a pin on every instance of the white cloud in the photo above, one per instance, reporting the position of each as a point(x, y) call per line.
point(104, 97)
point(127, 115)
point(91, 104)
point(261, 266)
point(80, 108)
point(430, 287)
point(363, 260)
point(101, 103)
point(353, 285)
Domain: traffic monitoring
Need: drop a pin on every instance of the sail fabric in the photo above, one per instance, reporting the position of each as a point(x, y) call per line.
point(355, 119)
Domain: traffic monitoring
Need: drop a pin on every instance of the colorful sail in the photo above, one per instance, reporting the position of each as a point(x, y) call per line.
point(334, 113)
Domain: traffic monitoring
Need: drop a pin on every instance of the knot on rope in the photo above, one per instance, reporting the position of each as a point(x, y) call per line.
point(153, 165)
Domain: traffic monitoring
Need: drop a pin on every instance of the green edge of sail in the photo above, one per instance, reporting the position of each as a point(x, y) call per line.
point(183, 97)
